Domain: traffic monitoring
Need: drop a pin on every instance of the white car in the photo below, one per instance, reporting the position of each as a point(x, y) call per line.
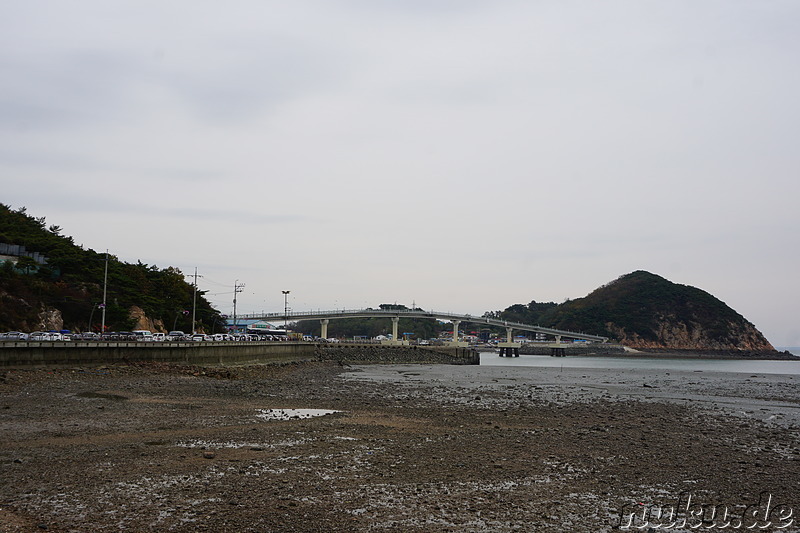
point(143, 335)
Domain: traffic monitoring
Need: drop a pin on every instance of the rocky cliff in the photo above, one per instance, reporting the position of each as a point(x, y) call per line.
point(142, 321)
point(676, 334)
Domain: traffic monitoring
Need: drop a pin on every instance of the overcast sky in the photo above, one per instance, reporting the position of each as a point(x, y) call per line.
point(461, 155)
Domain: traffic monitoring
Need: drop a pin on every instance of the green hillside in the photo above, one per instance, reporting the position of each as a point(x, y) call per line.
point(69, 287)
point(645, 310)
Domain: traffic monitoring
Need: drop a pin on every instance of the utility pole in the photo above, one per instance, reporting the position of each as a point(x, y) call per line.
point(194, 302)
point(105, 286)
point(236, 290)
point(286, 311)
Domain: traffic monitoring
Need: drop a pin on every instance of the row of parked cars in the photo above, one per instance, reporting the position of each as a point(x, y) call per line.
point(217, 337)
point(139, 335)
point(35, 336)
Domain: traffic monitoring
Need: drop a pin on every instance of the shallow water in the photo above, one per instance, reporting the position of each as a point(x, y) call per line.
point(646, 363)
point(292, 414)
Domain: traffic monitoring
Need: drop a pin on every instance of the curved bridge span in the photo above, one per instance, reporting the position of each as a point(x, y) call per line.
point(396, 314)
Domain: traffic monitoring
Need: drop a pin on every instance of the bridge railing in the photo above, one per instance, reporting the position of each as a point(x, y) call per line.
point(312, 313)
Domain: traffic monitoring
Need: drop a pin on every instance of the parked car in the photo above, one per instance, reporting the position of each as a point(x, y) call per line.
point(143, 335)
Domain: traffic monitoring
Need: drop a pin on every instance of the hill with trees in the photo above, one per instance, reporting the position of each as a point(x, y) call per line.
point(644, 310)
point(66, 292)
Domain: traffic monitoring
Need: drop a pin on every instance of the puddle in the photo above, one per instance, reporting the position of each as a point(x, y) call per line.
point(254, 446)
point(292, 414)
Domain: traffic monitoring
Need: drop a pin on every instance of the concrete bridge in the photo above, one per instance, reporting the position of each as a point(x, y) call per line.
point(508, 347)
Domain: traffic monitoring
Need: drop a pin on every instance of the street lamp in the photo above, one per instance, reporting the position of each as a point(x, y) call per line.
point(286, 311)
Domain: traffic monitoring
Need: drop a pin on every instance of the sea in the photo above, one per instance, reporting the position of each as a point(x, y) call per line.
point(757, 366)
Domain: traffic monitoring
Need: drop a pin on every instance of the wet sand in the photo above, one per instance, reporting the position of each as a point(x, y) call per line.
point(412, 448)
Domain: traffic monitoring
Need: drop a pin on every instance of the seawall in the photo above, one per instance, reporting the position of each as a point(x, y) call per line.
point(20, 354)
point(373, 353)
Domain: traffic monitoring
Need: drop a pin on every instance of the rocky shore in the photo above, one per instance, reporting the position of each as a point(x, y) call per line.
point(411, 448)
point(618, 350)
point(376, 353)
point(772, 355)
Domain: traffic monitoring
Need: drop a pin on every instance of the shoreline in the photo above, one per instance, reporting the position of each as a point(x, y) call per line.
point(720, 354)
point(700, 354)
point(655, 353)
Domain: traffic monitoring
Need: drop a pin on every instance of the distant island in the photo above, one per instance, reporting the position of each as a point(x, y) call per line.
point(47, 282)
point(644, 311)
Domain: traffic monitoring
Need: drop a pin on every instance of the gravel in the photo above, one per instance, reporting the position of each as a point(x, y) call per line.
point(411, 448)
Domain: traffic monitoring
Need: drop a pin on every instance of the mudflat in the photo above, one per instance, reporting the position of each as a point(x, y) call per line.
point(407, 448)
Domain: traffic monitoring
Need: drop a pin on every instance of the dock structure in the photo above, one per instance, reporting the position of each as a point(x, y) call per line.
point(558, 351)
point(509, 349)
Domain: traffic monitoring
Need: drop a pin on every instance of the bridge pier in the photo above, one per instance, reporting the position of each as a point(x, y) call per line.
point(509, 349)
point(324, 328)
point(455, 342)
point(557, 350)
point(395, 332)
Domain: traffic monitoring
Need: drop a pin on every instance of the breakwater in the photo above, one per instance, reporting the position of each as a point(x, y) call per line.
point(15, 354)
point(573, 349)
point(375, 353)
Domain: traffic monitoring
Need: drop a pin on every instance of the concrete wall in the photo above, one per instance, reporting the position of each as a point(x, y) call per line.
point(210, 353)
point(376, 353)
point(95, 353)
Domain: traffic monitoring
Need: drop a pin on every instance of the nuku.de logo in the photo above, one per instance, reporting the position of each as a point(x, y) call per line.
point(687, 513)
